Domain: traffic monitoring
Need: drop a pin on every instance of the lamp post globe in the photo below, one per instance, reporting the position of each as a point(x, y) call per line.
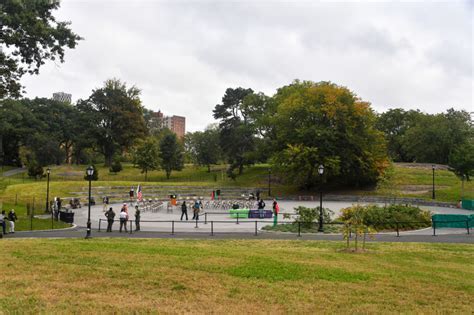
point(320, 172)
point(90, 172)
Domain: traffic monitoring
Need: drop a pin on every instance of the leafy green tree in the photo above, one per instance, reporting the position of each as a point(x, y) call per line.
point(434, 137)
point(116, 118)
point(237, 131)
point(171, 154)
point(16, 125)
point(146, 156)
point(32, 36)
point(204, 147)
point(461, 162)
point(394, 123)
point(323, 123)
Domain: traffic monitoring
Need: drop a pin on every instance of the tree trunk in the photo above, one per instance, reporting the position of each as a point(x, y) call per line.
point(146, 174)
point(462, 187)
point(168, 174)
point(208, 168)
point(241, 169)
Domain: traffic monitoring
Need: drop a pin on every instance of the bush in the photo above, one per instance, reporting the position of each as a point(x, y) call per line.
point(386, 218)
point(35, 170)
point(308, 216)
point(116, 166)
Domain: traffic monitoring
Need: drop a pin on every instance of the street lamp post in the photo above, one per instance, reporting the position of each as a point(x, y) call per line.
point(48, 171)
point(433, 168)
point(90, 172)
point(321, 172)
point(269, 182)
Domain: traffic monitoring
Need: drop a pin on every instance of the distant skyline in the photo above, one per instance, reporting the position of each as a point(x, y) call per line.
point(184, 54)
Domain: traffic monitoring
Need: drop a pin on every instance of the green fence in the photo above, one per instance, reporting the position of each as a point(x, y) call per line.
point(453, 221)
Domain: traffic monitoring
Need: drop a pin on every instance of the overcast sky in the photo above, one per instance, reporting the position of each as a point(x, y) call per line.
point(184, 54)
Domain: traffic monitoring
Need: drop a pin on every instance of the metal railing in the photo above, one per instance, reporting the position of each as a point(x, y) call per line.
point(298, 224)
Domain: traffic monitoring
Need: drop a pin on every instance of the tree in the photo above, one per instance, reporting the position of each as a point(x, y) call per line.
point(171, 154)
point(31, 35)
point(394, 123)
point(461, 162)
point(204, 147)
point(323, 123)
point(432, 138)
point(116, 118)
point(146, 156)
point(236, 129)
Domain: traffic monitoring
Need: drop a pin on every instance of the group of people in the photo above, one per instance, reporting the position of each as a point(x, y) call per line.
point(11, 217)
point(123, 218)
point(197, 207)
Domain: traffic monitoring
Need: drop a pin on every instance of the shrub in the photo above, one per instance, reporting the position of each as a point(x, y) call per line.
point(387, 217)
point(116, 166)
point(35, 170)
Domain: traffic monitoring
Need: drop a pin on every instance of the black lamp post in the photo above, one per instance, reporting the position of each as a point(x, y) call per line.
point(90, 172)
point(321, 172)
point(48, 171)
point(269, 182)
point(433, 168)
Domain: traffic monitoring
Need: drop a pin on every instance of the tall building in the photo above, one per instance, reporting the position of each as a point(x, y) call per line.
point(62, 97)
point(176, 124)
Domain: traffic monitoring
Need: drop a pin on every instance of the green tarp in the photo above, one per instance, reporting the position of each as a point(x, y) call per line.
point(241, 213)
point(452, 220)
point(468, 204)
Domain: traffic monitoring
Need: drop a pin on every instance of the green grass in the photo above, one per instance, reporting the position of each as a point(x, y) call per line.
point(26, 223)
point(69, 178)
point(228, 276)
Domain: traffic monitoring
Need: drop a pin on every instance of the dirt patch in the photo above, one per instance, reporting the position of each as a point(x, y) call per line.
point(418, 189)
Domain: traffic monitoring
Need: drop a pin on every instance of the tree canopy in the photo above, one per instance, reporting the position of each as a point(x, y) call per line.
point(116, 118)
point(29, 35)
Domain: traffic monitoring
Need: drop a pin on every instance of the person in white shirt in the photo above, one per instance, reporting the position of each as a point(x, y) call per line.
point(123, 220)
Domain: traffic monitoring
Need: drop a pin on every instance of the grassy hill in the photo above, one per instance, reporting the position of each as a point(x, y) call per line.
point(228, 276)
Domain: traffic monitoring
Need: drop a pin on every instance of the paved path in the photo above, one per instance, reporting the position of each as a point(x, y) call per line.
point(81, 232)
point(14, 171)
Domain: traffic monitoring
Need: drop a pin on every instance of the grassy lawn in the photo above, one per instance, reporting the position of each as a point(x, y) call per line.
point(404, 181)
point(228, 276)
point(25, 223)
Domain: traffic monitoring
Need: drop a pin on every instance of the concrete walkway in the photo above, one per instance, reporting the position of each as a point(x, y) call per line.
point(14, 172)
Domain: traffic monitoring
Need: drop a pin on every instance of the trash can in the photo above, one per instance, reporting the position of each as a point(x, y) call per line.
point(67, 217)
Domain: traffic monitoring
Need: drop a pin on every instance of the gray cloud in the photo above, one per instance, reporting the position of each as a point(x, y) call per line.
point(183, 55)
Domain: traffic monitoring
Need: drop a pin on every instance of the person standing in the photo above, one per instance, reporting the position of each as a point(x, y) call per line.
point(132, 193)
point(261, 207)
point(110, 215)
point(196, 210)
point(137, 219)
point(123, 220)
point(12, 218)
point(105, 201)
point(184, 211)
point(276, 210)
point(2, 222)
